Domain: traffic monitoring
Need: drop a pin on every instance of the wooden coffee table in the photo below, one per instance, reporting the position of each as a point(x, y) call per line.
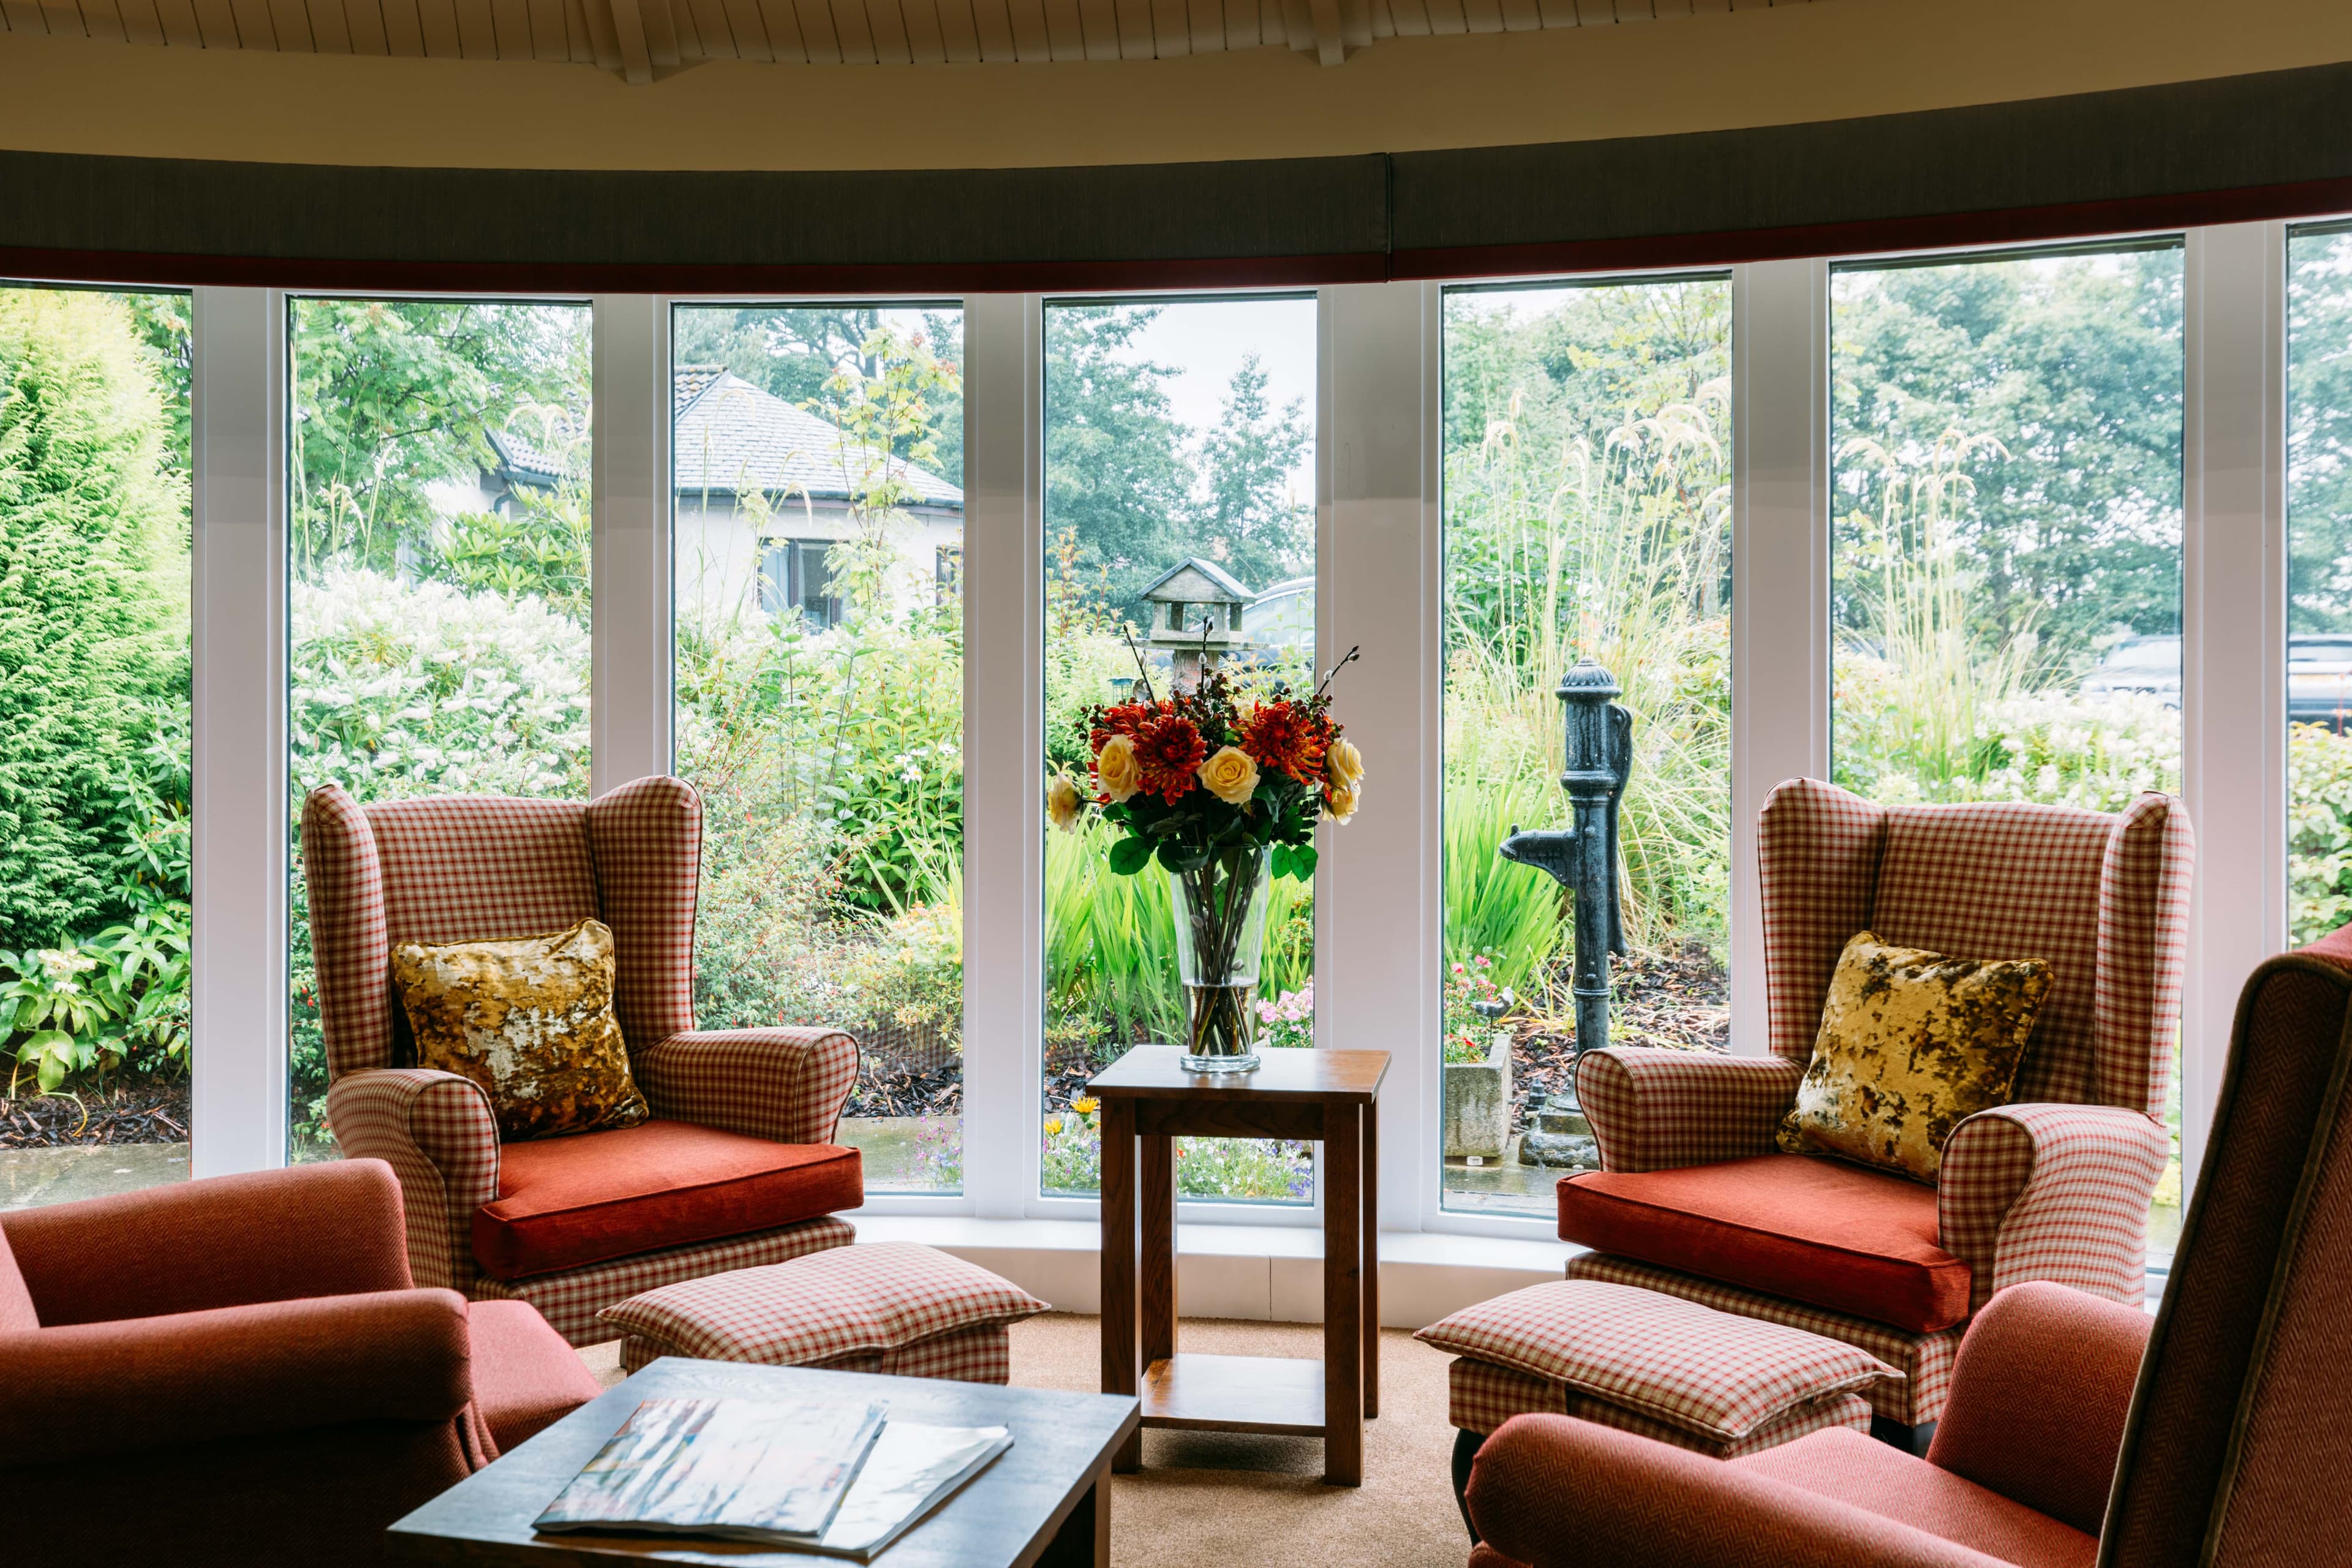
point(1147, 1098)
point(1045, 1501)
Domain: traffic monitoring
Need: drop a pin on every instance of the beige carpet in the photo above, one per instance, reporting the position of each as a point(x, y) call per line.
point(1225, 1501)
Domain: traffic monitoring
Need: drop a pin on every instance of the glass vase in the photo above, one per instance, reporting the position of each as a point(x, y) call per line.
point(1220, 934)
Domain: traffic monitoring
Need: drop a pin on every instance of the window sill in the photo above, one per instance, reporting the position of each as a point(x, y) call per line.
point(1266, 1273)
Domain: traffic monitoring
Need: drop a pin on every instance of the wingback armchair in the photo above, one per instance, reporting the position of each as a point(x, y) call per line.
point(1693, 1199)
point(2077, 1432)
point(735, 1168)
point(239, 1371)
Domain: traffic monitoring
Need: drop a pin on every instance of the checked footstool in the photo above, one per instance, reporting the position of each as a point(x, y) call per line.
point(1644, 1362)
point(887, 1306)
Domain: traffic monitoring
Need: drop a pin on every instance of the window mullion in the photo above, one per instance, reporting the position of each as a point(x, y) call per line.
point(1376, 937)
point(2233, 676)
point(1005, 706)
point(1780, 578)
point(629, 682)
point(239, 629)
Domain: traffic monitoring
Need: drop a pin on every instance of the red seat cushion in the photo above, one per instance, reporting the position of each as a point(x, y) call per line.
point(1811, 1230)
point(566, 1201)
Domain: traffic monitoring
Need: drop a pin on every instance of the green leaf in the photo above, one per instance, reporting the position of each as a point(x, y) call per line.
point(1129, 856)
point(1302, 862)
point(1178, 859)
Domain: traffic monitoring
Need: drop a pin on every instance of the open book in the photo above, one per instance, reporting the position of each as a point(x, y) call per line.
point(822, 1478)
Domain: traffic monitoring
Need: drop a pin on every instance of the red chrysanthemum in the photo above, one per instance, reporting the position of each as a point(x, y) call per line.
point(1120, 719)
point(1170, 748)
point(1287, 738)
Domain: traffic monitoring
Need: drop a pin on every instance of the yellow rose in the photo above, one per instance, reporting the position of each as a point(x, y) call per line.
point(1116, 768)
point(1063, 802)
point(1231, 775)
point(1340, 803)
point(1343, 765)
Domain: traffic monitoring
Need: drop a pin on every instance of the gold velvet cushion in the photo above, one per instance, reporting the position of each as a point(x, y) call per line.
point(1912, 1044)
point(530, 1020)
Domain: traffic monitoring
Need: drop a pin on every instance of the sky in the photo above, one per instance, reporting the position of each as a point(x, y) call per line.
point(1207, 340)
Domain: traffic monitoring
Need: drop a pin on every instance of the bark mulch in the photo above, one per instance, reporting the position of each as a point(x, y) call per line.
point(903, 1091)
point(149, 1111)
point(1680, 1000)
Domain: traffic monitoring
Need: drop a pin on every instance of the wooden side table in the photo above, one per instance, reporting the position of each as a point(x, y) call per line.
point(1148, 1099)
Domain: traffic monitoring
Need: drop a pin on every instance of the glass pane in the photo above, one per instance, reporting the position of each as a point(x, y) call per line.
point(438, 575)
point(2319, 582)
point(1174, 432)
point(94, 743)
point(819, 456)
point(2006, 489)
point(1588, 517)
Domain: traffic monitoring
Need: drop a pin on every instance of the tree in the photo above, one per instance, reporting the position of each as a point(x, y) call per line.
point(93, 604)
point(2319, 433)
point(2071, 366)
point(1247, 518)
point(393, 397)
point(1117, 474)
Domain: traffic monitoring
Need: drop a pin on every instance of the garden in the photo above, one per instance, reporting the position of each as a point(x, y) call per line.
point(2006, 472)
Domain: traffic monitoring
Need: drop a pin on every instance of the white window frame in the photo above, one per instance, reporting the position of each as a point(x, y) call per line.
point(1379, 537)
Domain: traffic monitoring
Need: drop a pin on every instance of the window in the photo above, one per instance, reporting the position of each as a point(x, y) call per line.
point(2006, 536)
point(437, 585)
point(2319, 581)
point(819, 454)
point(1179, 451)
point(94, 741)
point(1588, 517)
point(794, 573)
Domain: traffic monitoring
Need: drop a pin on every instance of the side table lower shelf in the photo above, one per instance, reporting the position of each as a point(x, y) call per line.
point(1282, 1395)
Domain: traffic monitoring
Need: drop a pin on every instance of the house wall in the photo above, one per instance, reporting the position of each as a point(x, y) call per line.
point(718, 550)
point(1781, 64)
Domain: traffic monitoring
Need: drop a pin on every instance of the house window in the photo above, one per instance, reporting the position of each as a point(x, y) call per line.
point(438, 640)
point(1180, 458)
point(794, 575)
point(946, 573)
point(1588, 518)
point(819, 690)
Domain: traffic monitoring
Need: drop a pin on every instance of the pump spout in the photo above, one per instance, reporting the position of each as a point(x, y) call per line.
point(1553, 849)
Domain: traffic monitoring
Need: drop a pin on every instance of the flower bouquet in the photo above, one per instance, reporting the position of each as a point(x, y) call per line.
point(1220, 793)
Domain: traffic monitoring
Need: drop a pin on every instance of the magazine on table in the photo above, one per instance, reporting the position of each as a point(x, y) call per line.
point(740, 1469)
point(910, 1471)
point(839, 1479)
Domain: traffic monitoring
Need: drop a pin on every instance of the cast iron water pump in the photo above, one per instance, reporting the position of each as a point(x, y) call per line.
point(1599, 756)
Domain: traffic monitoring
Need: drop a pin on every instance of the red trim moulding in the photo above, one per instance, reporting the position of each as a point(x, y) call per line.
point(685, 278)
point(2074, 220)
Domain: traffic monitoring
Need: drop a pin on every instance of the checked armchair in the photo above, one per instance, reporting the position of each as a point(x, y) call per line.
point(735, 1168)
point(1693, 1199)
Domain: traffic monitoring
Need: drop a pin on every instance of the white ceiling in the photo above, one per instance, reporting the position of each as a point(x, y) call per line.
point(646, 39)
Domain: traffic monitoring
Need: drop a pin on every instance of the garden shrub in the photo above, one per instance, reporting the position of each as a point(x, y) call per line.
point(93, 606)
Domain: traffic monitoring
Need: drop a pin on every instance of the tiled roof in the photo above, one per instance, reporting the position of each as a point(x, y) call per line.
point(732, 436)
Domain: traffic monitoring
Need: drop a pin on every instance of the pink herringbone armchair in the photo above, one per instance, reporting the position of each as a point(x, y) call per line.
point(736, 1167)
point(239, 1373)
point(1692, 1198)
